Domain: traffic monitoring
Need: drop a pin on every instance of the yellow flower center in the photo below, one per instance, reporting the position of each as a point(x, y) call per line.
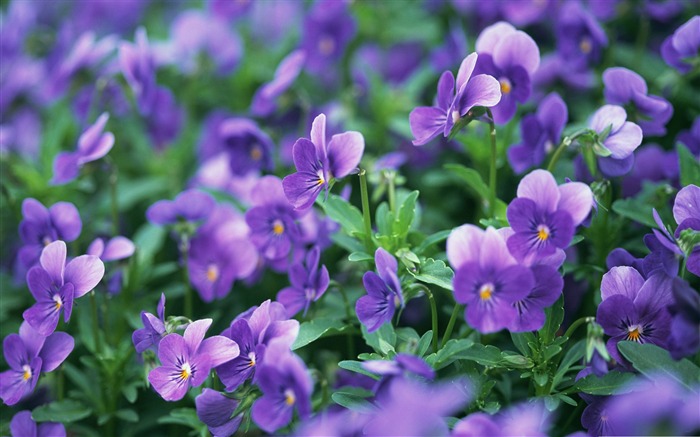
point(251, 356)
point(326, 45)
point(634, 333)
point(505, 86)
point(485, 291)
point(585, 45)
point(58, 302)
point(212, 273)
point(543, 232)
point(185, 371)
point(26, 373)
point(277, 227)
point(256, 152)
point(289, 397)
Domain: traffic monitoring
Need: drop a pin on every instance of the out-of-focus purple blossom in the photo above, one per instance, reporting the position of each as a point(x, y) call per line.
point(540, 133)
point(335, 422)
point(115, 249)
point(286, 385)
point(653, 164)
point(191, 205)
point(105, 95)
point(455, 98)
point(685, 320)
point(220, 253)
point(248, 147)
point(580, 38)
point(137, 63)
point(384, 292)
point(626, 88)
point(28, 354)
point(55, 285)
point(308, 283)
point(634, 309)
point(449, 54)
point(265, 98)
point(103, 16)
point(525, 12)
point(686, 212)
point(21, 133)
point(253, 331)
point(229, 9)
point(93, 144)
point(216, 173)
point(524, 419)
point(390, 161)
point(402, 366)
point(487, 279)
point(153, 330)
point(215, 409)
point(186, 360)
point(622, 139)
point(41, 226)
point(327, 30)
point(393, 65)
point(22, 425)
point(475, 425)
point(319, 162)
point(544, 216)
point(165, 119)
point(691, 138)
point(680, 50)
point(554, 69)
point(663, 10)
point(512, 57)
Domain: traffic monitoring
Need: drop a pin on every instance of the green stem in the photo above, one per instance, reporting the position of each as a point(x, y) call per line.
point(113, 176)
point(683, 263)
point(365, 211)
point(184, 253)
point(392, 193)
point(95, 322)
point(450, 325)
point(434, 316)
point(492, 171)
point(59, 384)
point(576, 324)
point(557, 153)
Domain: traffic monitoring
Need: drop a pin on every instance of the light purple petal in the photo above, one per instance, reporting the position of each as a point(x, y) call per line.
point(53, 260)
point(22, 425)
point(84, 272)
point(56, 349)
point(219, 349)
point(576, 199)
point(268, 191)
point(66, 219)
point(96, 247)
point(482, 90)
point(162, 212)
point(446, 90)
point(271, 413)
point(621, 84)
point(426, 123)
point(621, 280)
point(466, 68)
point(494, 251)
point(293, 299)
point(118, 248)
point(318, 135)
point(32, 340)
point(623, 142)
point(172, 349)
point(165, 381)
point(65, 168)
point(491, 36)
point(541, 187)
point(42, 316)
point(687, 204)
point(194, 334)
point(463, 245)
point(517, 48)
point(39, 283)
point(194, 204)
point(345, 152)
point(608, 115)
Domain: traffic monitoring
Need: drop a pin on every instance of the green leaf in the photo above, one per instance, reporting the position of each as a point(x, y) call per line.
point(652, 361)
point(515, 361)
point(148, 241)
point(406, 214)
point(127, 415)
point(614, 382)
point(488, 355)
point(447, 355)
point(435, 238)
point(689, 167)
point(383, 340)
point(521, 339)
point(435, 272)
point(360, 256)
point(384, 219)
point(472, 178)
point(314, 329)
point(555, 315)
point(61, 411)
point(347, 215)
point(183, 416)
point(424, 343)
point(573, 355)
point(353, 399)
point(356, 366)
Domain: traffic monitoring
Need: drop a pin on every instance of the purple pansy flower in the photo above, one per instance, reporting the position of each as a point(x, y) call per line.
point(487, 279)
point(253, 331)
point(626, 88)
point(22, 425)
point(451, 51)
point(682, 48)
point(328, 28)
point(215, 409)
point(115, 249)
point(651, 163)
point(691, 138)
point(191, 205)
point(186, 360)
point(634, 309)
point(272, 220)
point(55, 285)
point(544, 216)
point(308, 283)
point(153, 329)
point(685, 320)
point(41, 226)
point(455, 98)
point(138, 66)
point(28, 354)
point(580, 38)
point(265, 98)
point(247, 146)
point(512, 57)
point(285, 383)
point(686, 212)
point(476, 424)
point(318, 162)
point(540, 133)
point(384, 293)
point(93, 144)
point(622, 139)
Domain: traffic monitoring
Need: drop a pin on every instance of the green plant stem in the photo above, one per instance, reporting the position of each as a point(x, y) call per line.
point(683, 263)
point(434, 316)
point(59, 384)
point(184, 253)
point(365, 211)
point(113, 177)
point(557, 153)
point(450, 325)
point(95, 322)
point(392, 193)
point(492, 171)
point(576, 324)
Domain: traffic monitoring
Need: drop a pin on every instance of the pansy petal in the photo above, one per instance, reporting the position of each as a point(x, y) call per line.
point(466, 68)
point(446, 90)
point(43, 317)
point(687, 204)
point(426, 123)
point(53, 260)
point(345, 152)
point(172, 350)
point(22, 425)
point(194, 204)
point(118, 248)
point(491, 36)
point(40, 284)
point(84, 272)
point(624, 141)
point(482, 90)
point(194, 334)
point(66, 220)
point(302, 189)
point(463, 245)
point(576, 199)
point(517, 48)
point(65, 168)
point(621, 280)
point(541, 187)
point(373, 311)
point(318, 135)
point(56, 349)
point(164, 381)
point(271, 413)
point(219, 349)
point(608, 115)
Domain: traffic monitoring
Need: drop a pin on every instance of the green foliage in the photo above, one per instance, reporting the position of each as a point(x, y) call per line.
point(653, 361)
point(317, 328)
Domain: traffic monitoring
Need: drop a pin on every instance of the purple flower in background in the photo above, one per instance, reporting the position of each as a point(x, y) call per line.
point(691, 138)
point(634, 309)
point(116, 248)
point(402, 366)
point(475, 425)
point(55, 285)
point(228, 9)
point(384, 293)
point(327, 30)
point(308, 283)
point(286, 384)
point(248, 147)
point(153, 329)
point(392, 65)
point(681, 49)
point(686, 212)
point(446, 56)
point(41, 226)
point(626, 88)
point(272, 220)
point(21, 133)
point(164, 120)
point(512, 57)
point(487, 277)
point(215, 409)
point(28, 354)
point(651, 163)
point(318, 162)
point(265, 98)
point(622, 139)
point(253, 331)
point(22, 425)
point(186, 360)
point(685, 320)
point(138, 66)
point(93, 144)
point(580, 38)
point(455, 98)
point(525, 12)
point(544, 216)
point(191, 205)
point(220, 253)
point(540, 133)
